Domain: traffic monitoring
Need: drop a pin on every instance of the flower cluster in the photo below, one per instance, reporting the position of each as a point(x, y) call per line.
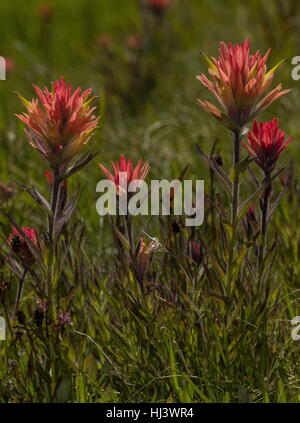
point(124, 173)
point(19, 244)
point(239, 79)
point(59, 122)
point(266, 142)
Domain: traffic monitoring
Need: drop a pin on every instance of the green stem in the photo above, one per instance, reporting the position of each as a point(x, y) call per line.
point(234, 205)
point(212, 195)
point(20, 290)
point(264, 214)
point(129, 232)
point(54, 201)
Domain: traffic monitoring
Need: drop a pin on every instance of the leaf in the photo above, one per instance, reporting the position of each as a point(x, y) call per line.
point(269, 260)
point(65, 303)
point(124, 242)
point(65, 215)
point(64, 390)
point(90, 366)
point(247, 203)
point(34, 193)
point(238, 261)
point(80, 164)
point(240, 168)
point(218, 268)
point(275, 204)
point(218, 170)
point(216, 296)
point(228, 228)
point(81, 388)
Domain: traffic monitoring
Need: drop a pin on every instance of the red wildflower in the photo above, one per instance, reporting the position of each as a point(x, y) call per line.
point(60, 122)
point(159, 4)
point(124, 166)
point(19, 244)
point(195, 251)
point(250, 213)
point(266, 143)
point(239, 80)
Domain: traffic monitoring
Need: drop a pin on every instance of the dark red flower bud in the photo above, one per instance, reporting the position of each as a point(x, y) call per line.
point(195, 252)
point(19, 244)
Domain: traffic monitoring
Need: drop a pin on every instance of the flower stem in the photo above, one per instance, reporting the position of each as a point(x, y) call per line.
point(54, 208)
point(234, 205)
point(264, 214)
point(129, 232)
point(54, 201)
point(19, 293)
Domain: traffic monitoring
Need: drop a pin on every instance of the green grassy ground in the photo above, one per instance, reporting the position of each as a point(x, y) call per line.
point(184, 341)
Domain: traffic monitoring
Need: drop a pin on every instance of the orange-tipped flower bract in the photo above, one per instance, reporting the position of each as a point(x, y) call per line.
point(238, 81)
point(59, 122)
point(266, 142)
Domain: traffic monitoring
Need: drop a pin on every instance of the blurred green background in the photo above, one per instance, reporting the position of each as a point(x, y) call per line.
point(146, 95)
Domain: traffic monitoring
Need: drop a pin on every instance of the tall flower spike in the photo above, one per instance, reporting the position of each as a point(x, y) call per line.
point(266, 142)
point(123, 165)
point(59, 122)
point(238, 81)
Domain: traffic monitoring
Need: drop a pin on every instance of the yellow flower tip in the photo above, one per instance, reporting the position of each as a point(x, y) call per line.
point(209, 62)
point(23, 100)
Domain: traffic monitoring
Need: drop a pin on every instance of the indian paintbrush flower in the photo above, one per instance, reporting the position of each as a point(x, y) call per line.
point(266, 142)
point(20, 245)
point(59, 122)
point(124, 166)
point(195, 252)
point(239, 80)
